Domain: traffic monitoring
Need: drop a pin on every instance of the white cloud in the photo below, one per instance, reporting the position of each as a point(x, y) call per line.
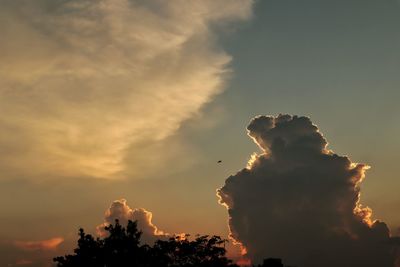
point(119, 210)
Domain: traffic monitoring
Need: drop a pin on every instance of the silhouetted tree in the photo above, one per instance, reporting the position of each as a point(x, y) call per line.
point(88, 252)
point(204, 251)
point(272, 262)
point(121, 248)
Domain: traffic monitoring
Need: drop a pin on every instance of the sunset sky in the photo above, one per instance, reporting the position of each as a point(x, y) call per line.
point(108, 100)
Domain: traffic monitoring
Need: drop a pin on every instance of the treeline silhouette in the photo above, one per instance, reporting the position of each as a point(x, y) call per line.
point(122, 248)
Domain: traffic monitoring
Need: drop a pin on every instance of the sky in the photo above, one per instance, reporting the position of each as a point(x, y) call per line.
point(126, 99)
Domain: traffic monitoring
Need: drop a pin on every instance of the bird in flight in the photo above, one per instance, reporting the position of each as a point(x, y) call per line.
point(219, 161)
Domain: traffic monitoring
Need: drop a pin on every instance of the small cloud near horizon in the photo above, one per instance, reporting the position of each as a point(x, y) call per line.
point(119, 210)
point(49, 244)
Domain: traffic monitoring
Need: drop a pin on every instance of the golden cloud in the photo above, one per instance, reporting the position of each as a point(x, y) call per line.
point(82, 81)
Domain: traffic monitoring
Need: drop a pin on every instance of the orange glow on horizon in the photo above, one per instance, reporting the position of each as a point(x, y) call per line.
point(243, 262)
point(50, 244)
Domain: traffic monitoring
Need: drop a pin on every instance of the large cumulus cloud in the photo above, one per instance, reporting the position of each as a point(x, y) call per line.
point(83, 81)
point(300, 201)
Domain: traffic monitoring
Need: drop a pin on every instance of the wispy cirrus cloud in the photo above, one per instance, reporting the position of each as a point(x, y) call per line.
point(81, 81)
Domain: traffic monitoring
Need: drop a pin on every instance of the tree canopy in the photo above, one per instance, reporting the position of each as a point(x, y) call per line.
point(121, 247)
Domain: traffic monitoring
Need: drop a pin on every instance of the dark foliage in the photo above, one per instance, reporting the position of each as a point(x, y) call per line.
point(272, 262)
point(121, 248)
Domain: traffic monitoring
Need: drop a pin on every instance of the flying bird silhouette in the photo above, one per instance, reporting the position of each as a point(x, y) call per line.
point(219, 161)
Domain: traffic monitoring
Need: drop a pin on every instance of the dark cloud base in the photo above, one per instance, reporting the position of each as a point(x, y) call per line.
point(301, 202)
